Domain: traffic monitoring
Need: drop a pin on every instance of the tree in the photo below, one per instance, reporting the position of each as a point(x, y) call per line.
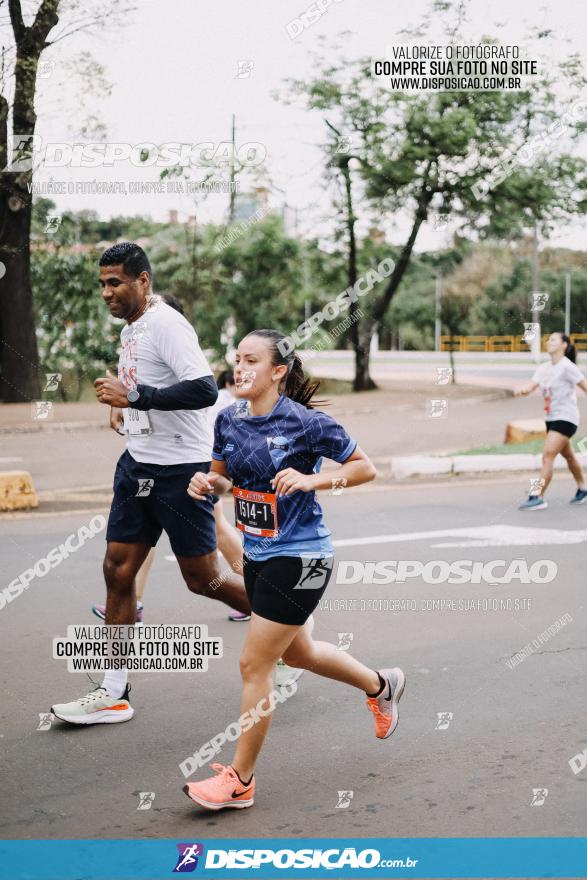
point(257, 280)
point(454, 312)
point(19, 356)
point(424, 154)
point(19, 378)
point(76, 336)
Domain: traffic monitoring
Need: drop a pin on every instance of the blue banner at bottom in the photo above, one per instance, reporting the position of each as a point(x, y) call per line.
point(385, 858)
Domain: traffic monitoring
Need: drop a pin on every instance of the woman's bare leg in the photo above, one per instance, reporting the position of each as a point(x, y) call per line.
point(574, 464)
point(266, 642)
point(143, 574)
point(325, 659)
point(553, 445)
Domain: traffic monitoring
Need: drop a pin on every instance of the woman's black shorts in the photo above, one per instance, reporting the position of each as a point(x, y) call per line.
point(566, 428)
point(286, 589)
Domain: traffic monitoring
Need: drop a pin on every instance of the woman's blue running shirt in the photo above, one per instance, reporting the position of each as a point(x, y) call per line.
point(255, 448)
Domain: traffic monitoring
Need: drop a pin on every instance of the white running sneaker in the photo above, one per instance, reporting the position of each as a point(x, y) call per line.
point(286, 675)
point(97, 707)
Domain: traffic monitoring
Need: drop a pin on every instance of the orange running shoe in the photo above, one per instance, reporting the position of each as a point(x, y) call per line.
point(385, 706)
point(223, 790)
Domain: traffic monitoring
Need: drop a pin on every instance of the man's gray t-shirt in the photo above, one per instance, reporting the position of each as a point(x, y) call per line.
point(161, 349)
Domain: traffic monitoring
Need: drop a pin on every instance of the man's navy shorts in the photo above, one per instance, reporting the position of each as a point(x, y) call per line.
point(151, 497)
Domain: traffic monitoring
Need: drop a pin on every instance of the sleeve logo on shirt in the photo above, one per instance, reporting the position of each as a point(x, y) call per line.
point(278, 450)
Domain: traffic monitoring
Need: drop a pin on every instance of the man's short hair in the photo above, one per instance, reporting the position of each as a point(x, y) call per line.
point(130, 256)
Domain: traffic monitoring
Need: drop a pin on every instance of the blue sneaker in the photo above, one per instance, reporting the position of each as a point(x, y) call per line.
point(534, 502)
point(580, 496)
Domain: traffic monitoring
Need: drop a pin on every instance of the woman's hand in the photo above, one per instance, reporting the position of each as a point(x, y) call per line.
point(202, 485)
point(523, 390)
point(116, 418)
point(288, 481)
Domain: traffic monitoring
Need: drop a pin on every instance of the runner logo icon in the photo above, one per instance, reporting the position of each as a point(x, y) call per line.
point(314, 573)
point(187, 860)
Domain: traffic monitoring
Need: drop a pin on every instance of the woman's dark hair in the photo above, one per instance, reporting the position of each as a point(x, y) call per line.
point(295, 385)
point(173, 302)
point(570, 351)
point(226, 377)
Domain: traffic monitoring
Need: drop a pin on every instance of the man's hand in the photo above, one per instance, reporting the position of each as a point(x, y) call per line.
point(116, 419)
point(288, 481)
point(110, 391)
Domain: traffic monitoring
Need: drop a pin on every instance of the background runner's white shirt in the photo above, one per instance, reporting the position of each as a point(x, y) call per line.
point(161, 349)
point(559, 389)
point(225, 399)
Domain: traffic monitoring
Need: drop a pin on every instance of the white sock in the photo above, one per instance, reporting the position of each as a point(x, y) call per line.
point(115, 682)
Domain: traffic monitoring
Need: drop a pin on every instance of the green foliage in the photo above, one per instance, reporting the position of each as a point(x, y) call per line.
point(75, 334)
point(505, 305)
point(455, 154)
point(85, 227)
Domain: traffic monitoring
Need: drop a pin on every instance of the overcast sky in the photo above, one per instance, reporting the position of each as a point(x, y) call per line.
point(173, 69)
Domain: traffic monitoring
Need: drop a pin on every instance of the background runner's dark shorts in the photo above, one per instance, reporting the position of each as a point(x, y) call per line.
point(286, 589)
point(151, 497)
point(566, 428)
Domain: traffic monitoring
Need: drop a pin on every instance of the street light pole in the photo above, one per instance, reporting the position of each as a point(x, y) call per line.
point(567, 303)
point(537, 339)
point(437, 293)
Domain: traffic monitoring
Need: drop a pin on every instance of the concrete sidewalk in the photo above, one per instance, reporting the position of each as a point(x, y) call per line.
point(22, 418)
point(77, 449)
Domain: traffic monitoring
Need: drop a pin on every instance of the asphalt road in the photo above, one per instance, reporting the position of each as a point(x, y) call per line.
point(512, 730)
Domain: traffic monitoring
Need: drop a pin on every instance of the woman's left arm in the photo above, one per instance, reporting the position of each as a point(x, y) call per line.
point(583, 385)
point(355, 470)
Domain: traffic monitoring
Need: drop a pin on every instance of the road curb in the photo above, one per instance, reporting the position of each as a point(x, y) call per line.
point(421, 465)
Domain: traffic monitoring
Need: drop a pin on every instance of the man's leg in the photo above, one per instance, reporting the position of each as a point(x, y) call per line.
point(121, 564)
point(108, 703)
point(229, 540)
point(203, 576)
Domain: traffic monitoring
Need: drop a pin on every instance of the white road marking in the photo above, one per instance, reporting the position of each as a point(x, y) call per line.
point(479, 536)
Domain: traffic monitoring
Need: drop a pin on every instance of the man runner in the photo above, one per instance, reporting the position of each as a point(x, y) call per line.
point(164, 385)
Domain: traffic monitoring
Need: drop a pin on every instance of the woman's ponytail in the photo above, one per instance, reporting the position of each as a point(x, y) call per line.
point(297, 385)
point(570, 351)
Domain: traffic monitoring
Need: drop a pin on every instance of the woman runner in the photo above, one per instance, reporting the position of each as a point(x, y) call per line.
point(558, 380)
point(269, 452)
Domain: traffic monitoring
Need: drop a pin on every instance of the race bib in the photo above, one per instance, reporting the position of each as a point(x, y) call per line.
point(255, 512)
point(136, 421)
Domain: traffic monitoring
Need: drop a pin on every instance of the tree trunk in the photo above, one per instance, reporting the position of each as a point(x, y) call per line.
point(19, 380)
point(363, 380)
point(19, 368)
